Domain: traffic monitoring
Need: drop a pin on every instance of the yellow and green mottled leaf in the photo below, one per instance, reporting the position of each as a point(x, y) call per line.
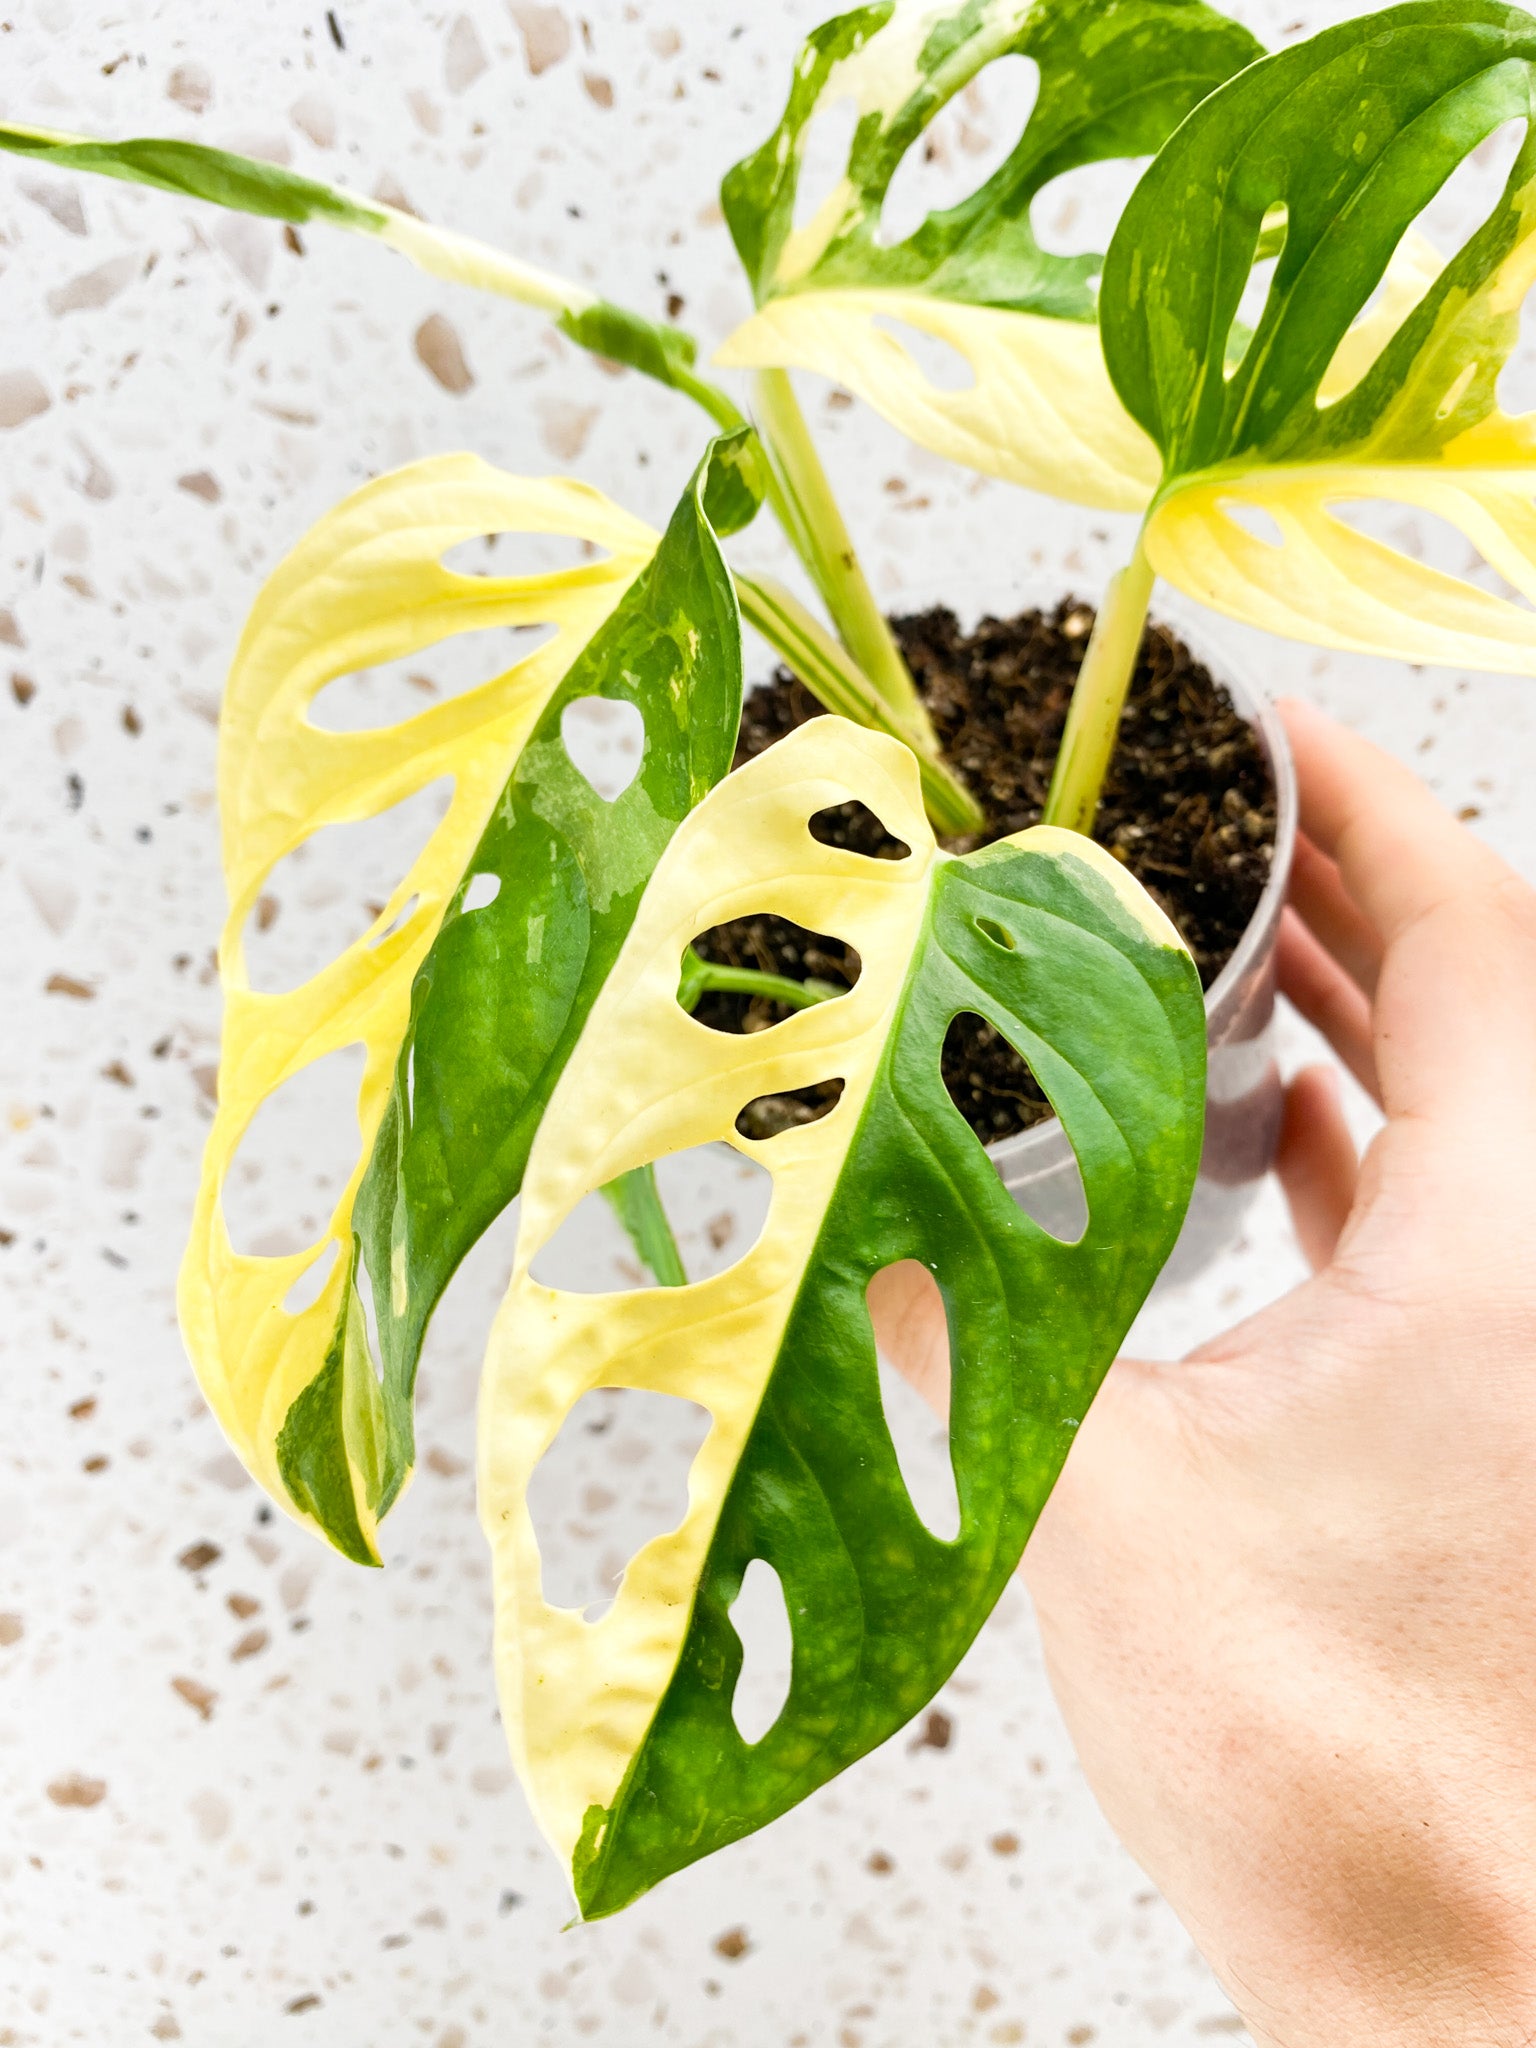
point(1116, 77)
point(622, 1729)
point(1333, 400)
point(465, 1016)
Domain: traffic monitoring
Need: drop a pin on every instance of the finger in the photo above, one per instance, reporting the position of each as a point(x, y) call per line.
point(912, 1330)
point(1317, 1163)
point(1318, 896)
point(1455, 1025)
point(1328, 998)
point(1399, 852)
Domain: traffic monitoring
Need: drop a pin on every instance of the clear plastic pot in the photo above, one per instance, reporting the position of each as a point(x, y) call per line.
point(1243, 1088)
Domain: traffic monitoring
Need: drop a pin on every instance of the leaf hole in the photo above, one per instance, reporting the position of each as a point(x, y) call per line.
point(855, 827)
point(605, 738)
point(1425, 537)
point(989, 1081)
point(994, 1088)
point(945, 367)
point(714, 1199)
point(310, 1285)
point(1076, 214)
point(916, 1404)
point(614, 1479)
point(1458, 210)
point(824, 144)
point(519, 554)
point(324, 895)
point(482, 891)
point(767, 944)
point(1466, 199)
point(294, 1159)
point(398, 922)
point(962, 147)
point(760, 1616)
point(765, 1116)
point(1269, 246)
point(366, 698)
point(1254, 520)
point(996, 934)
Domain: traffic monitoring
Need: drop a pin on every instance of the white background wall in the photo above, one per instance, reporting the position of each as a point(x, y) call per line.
point(316, 1837)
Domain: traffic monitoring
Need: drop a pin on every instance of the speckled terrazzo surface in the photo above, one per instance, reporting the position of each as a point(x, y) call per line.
point(249, 1794)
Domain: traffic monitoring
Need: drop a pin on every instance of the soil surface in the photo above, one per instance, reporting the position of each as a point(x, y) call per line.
point(1188, 805)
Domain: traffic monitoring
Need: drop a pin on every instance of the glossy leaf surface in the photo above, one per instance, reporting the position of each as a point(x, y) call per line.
point(1115, 77)
point(622, 1729)
point(466, 1016)
point(1335, 400)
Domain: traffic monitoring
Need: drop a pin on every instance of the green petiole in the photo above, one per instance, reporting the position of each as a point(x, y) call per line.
point(702, 977)
point(1098, 698)
point(834, 680)
point(802, 498)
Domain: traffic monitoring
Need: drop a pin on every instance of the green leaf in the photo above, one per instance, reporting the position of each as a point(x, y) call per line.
point(622, 1729)
point(247, 185)
point(466, 1016)
point(1346, 138)
point(1115, 80)
point(244, 183)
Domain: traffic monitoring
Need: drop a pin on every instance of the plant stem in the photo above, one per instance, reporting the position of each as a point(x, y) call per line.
point(810, 517)
point(636, 1201)
point(1098, 698)
point(833, 680)
point(703, 977)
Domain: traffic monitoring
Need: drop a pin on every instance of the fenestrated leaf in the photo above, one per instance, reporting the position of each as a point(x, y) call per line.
point(1116, 77)
point(622, 1729)
point(466, 1017)
point(1351, 134)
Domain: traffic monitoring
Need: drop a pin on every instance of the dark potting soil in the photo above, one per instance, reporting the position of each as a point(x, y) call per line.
point(1188, 805)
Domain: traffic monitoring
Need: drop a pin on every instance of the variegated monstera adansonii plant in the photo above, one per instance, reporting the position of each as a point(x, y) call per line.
point(1116, 77)
point(523, 1001)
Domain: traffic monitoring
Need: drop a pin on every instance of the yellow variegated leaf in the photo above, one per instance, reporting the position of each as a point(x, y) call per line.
point(621, 1728)
point(1325, 582)
point(1041, 410)
point(1114, 81)
point(1328, 406)
point(366, 586)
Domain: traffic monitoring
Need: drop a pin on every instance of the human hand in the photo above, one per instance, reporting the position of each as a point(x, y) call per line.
point(1285, 1586)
